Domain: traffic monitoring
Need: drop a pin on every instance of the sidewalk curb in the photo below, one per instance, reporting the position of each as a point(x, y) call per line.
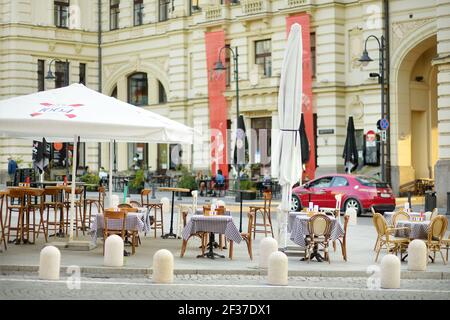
point(112, 272)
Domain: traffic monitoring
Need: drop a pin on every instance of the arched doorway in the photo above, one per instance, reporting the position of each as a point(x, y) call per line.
point(416, 130)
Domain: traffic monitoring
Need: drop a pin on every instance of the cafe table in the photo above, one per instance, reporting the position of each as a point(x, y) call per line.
point(173, 190)
point(134, 221)
point(300, 229)
point(222, 224)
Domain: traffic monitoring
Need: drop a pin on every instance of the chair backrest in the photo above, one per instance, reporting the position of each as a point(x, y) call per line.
point(434, 213)
point(338, 198)
point(135, 204)
point(220, 210)
point(400, 216)
point(127, 207)
point(2, 199)
point(145, 193)
point(206, 210)
point(101, 194)
point(16, 194)
point(380, 224)
point(320, 225)
point(437, 228)
point(267, 195)
point(111, 214)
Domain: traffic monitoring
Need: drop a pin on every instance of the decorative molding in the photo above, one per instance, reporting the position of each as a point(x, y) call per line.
point(357, 108)
point(403, 28)
point(355, 43)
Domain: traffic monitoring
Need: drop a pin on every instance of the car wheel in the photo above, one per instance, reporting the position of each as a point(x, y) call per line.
point(295, 203)
point(354, 204)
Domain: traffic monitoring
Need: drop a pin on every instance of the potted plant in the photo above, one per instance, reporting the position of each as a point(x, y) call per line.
point(137, 184)
point(186, 181)
point(90, 178)
point(246, 185)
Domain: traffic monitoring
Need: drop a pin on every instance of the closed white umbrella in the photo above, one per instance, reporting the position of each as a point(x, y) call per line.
point(289, 114)
point(74, 111)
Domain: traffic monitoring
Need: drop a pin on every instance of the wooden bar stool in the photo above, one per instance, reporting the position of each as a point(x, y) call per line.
point(15, 195)
point(145, 201)
point(265, 212)
point(3, 238)
point(53, 200)
point(99, 203)
point(32, 206)
point(78, 207)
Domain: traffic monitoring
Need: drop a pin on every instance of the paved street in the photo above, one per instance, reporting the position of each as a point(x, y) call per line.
point(223, 287)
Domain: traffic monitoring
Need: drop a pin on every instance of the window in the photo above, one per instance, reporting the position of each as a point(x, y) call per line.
point(263, 56)
point(138, 89)
point(313, 53)
point(83, 73)
point(137, 156)
point(62, 13)
point(114, 14)
point(163, 10)
point(339, 182)
point(138, 12)
point(40, 75)
point(261, 146)
point(193, 6)
point(61, 74)
point(175, 155)
point(321, 183)
point(161, 93)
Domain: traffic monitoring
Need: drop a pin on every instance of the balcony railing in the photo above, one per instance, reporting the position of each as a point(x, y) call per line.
point(213, 13)
point(296, 3)
point(252, 6)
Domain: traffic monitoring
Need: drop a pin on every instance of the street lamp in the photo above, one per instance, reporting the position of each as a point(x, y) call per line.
point(365, 60)
point(219, 67)
point(50, 75)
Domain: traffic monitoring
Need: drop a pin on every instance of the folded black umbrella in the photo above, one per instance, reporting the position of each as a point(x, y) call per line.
point(41, 155)
point(304, 143)
point(350, 153)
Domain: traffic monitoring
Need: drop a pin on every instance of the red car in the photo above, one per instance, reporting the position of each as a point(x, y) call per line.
point(358, 192)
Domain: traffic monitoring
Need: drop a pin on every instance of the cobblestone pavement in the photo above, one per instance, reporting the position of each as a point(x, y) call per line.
point(206, 287)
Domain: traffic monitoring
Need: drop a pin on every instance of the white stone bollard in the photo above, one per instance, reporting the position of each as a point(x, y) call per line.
point(113, 251)
point(49, 263)
point(266, 247)
point(165, 204)
point(417, 256)
point(277, 273)
point(390, 272)
point(353, 216)
point(163, 266)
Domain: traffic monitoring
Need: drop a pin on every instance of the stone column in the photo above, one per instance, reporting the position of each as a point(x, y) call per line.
point(442, 167)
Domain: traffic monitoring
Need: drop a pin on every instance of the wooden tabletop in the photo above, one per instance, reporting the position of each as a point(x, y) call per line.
point(173, 189)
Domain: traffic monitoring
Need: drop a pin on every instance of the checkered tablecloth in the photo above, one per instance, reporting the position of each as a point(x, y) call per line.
point(417, 229)
point(135, 221)
point(292, 216)
point(388, 216)
point(300, 230)
point(216, 224)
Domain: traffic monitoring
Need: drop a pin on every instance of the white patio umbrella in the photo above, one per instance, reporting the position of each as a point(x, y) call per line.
point(289, 114)
point(74, 111)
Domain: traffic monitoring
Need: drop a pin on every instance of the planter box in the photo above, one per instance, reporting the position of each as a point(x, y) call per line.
point(245, 196)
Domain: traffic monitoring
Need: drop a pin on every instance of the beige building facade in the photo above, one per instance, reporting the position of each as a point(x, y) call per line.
point(158, 47)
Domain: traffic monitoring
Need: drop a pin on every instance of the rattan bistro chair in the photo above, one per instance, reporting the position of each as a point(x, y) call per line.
point(436, 233)
point(79, 218)
point(98, 202)
point(446, 246)
point(201, 235)
point(265, 212)
point(400, 216)
point(343, 239)
point(386, 239)
point(319, 226)
point(15, 195)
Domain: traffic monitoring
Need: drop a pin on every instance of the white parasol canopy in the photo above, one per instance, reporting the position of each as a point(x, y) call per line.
point(74, 111)
point(289, 114)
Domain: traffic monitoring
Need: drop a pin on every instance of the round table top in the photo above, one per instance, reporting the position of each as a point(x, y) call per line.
point(173, 189)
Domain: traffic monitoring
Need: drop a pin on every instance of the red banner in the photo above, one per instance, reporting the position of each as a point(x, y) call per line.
point(217, 104)
point(303, 20)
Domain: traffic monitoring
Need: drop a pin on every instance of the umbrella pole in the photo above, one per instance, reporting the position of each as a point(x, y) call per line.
point(110, 170)
point(72, 196)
